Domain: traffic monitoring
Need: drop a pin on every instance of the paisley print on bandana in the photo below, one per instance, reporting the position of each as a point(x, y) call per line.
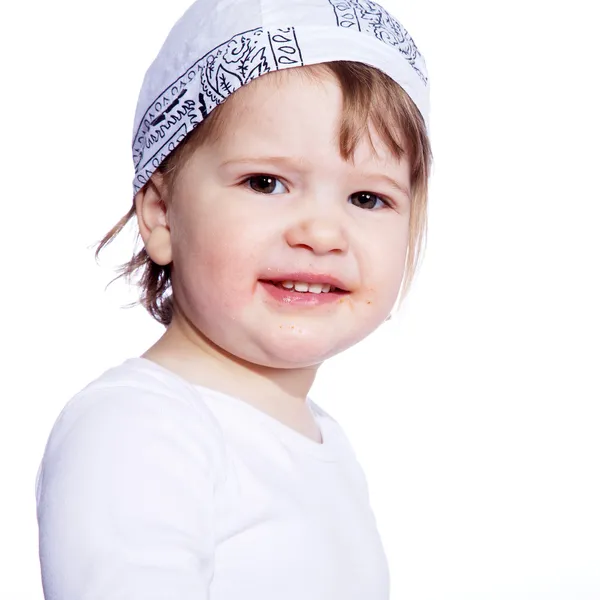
point(369, 17)
point(204, 85)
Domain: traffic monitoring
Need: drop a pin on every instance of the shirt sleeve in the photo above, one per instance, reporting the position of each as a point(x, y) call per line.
point(126, 500)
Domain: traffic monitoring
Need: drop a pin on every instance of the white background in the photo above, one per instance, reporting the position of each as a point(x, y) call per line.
point(475, 414)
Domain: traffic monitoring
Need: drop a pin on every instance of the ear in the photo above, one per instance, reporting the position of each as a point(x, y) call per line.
point(151, 211)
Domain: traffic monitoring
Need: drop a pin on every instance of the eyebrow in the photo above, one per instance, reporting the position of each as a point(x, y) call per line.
point(275, 160)
point(289, 162)
point(391, 182)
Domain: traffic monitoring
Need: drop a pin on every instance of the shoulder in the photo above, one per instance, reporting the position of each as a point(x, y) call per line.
point(138, 386)
point(137, 409)
point(127, 490)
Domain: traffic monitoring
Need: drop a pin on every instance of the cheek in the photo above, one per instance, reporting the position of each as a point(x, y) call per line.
point(384, 266)
point(215, 266)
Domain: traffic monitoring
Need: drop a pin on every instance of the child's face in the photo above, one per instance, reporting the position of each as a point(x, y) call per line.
point(229, 241)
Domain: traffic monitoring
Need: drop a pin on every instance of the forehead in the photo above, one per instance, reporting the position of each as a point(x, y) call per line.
point(286, 100)
point(294, 111)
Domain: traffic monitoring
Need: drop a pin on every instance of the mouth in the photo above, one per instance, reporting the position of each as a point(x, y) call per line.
point(305, 287)
point(305, 281)
point(298, 292)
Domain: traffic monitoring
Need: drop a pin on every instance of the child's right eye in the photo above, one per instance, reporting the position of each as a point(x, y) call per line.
point(265, 184)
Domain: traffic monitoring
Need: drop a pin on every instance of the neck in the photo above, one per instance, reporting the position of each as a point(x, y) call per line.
point(185, 351)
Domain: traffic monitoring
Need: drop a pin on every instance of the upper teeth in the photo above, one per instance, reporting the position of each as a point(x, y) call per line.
point(315, 288)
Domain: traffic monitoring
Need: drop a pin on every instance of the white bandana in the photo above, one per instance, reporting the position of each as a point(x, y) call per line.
point(220, 45)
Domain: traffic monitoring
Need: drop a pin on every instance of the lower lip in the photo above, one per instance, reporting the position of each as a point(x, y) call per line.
point(292, 297)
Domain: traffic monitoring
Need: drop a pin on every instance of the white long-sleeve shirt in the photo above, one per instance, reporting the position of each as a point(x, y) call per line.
point(152, 488)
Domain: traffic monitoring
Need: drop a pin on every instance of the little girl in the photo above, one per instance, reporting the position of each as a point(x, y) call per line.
point(281, 165)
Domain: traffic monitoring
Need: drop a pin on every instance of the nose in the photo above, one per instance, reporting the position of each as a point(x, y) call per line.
point(319, 232)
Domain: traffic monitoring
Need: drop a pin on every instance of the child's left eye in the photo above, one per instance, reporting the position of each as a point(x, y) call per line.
point(264, 184)
point(368, 200)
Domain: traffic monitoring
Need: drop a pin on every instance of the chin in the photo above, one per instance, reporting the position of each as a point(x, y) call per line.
point(299, 349)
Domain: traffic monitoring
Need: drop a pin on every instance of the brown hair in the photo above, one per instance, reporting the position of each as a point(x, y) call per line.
point(370, 97)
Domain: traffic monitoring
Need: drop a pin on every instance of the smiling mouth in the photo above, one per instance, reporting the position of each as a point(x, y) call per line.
point(307, 288)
